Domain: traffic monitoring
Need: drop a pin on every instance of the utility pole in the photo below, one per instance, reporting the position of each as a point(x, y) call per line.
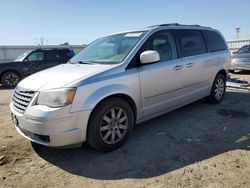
point(41, 41)
point(237, 29)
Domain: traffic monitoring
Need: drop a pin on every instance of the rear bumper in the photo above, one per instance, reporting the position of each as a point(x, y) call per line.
point(52, 130)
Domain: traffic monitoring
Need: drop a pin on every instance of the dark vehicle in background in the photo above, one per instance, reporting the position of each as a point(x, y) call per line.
point(241, 59)
point(30, 62)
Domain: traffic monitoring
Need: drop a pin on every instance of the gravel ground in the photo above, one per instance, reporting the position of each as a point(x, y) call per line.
point(199, 145)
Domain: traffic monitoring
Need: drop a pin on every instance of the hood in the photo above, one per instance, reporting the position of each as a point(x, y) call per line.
point(61, 75)
point(246, 55)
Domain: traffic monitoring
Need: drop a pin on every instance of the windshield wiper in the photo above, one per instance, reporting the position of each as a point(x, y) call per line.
point(85, 62)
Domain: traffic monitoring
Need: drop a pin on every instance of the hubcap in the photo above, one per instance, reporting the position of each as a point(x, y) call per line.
point(219, 88)
point(114, 125)
point(11, 79)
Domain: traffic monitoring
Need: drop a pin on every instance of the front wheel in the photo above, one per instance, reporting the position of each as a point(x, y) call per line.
point(10, 79)
point(110, 124)
point(218, 89)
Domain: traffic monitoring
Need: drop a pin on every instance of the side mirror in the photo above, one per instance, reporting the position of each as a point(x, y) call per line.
point(234, 53)
point(149, 56)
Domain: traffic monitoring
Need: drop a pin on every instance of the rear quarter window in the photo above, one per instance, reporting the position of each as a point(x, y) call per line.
point(66, 54)
point(189, 42)
point(214, 41)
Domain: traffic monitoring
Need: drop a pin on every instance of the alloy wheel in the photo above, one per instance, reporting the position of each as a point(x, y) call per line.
point(219, 88)
point(11, 79)
point(114, 125)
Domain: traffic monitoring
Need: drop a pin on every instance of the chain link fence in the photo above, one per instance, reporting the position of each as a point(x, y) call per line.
point(235, 45)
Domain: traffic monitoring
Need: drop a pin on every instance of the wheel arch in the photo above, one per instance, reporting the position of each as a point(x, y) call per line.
point(124, 97)
point(223, 72)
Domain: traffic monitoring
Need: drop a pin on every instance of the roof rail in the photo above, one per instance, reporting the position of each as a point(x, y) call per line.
point(174, 24)
point(53, 48)
point(166, 24)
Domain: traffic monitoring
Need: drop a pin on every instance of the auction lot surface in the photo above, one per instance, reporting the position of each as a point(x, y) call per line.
point(200, 145)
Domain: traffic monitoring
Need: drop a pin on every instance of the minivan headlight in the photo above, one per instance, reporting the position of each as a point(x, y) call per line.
point(56, 97)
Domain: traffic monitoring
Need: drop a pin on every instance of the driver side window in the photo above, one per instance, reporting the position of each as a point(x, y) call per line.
point(163, 43)
point(36, 56)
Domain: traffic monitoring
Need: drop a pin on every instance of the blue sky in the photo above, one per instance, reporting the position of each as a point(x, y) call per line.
point(81, 21)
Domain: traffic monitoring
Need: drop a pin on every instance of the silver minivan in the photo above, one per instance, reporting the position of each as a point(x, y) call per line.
point(118, 81)
point(240, 59)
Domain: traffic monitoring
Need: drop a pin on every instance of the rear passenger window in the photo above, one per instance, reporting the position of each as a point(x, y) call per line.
point(214, 41)
point(189, 42)
point(53, 56)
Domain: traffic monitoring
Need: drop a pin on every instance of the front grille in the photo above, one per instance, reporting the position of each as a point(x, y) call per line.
point(21, 99)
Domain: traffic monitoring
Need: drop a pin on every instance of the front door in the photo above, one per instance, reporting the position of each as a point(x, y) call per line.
point(36, 61)
point(162, 83)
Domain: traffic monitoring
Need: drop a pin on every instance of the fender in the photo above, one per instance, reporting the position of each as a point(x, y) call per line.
point(97, 94)
point(94, 97)
point(11, 66)
point(2, 71)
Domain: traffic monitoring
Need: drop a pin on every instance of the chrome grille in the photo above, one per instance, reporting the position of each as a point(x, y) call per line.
point(21, 99)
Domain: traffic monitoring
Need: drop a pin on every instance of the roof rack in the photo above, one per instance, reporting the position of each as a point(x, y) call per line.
point(53, 48)
point(174, 24)
point(166, 24)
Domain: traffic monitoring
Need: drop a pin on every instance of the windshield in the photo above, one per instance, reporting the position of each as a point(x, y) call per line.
point(244, 49)
point(21, 57)
point(108, 50)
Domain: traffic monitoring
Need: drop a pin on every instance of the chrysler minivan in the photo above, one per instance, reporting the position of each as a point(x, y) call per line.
point(118, 81)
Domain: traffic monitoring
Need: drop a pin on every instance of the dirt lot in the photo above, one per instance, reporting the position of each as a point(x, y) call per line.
point(200, 145)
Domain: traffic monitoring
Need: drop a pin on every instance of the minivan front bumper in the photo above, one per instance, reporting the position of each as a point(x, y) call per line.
point(46, 126)
point(240, 64)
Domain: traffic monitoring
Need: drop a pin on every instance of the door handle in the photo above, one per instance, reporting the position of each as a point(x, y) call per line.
point(178, 67)
point(188, 65)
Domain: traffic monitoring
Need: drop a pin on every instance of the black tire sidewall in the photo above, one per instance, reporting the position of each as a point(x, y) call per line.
point(93, 135)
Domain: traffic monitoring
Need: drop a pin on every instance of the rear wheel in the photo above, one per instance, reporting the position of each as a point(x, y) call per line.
point(218, 89)
point(110, 124)
point(10, 79)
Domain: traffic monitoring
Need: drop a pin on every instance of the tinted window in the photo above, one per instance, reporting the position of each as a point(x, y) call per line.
point(214, 41)
point(36, 56)
point(163, 43)
point(65, 55)
point(53, 56)
point(69, 53)
point(189, 42)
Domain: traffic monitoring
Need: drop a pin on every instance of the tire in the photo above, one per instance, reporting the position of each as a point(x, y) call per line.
point(110, 124)
point(10, 79)
point(218, 90)
point(36, 146)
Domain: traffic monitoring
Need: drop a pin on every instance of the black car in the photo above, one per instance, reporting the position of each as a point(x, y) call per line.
point(30, 62)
